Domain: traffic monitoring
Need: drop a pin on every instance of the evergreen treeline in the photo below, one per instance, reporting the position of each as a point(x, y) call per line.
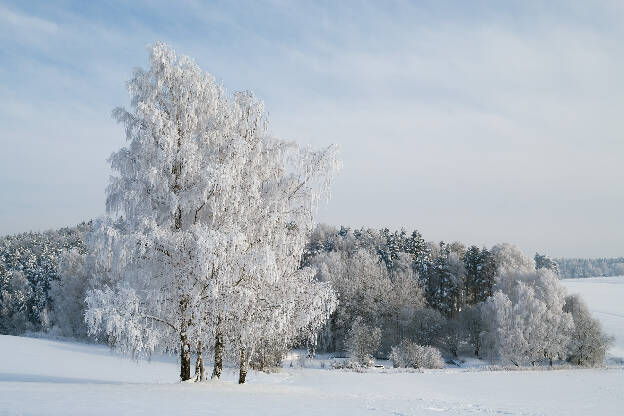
point(29, 264)
point(579, 268)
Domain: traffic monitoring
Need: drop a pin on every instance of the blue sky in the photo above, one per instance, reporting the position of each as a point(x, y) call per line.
point(475, 121)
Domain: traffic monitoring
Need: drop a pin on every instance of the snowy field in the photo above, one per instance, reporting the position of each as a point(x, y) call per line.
point(45, 377)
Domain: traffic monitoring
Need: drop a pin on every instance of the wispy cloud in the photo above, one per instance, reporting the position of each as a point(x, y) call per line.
point(24, 24)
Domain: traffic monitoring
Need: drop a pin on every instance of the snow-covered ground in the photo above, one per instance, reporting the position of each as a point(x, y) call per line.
point(47, 377)
point(44, 377)
point(605, 298)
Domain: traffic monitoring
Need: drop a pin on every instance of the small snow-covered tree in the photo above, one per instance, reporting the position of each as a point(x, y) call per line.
point(294, 307)
point(501, 339)
point(405, 299)
point(363, 342)
point(68, 295)
point(588, 343)
point(511, 259)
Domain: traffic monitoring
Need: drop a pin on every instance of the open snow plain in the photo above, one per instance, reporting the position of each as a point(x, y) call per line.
point(46, 377)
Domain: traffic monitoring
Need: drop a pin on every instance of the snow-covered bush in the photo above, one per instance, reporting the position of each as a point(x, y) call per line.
point(411, 355)
point(268, 355)
point(588, 344)
point(363, 342)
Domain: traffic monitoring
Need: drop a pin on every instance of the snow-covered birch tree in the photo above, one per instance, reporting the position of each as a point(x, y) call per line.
point(272, 297)
point(210, 213)
point(524, 321)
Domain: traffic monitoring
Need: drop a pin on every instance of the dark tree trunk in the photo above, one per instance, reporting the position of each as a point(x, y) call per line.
point(200, 371)
point(454, 351)
point(243, 366)
point(311, 349)
point(218, 353)
point(185, 357)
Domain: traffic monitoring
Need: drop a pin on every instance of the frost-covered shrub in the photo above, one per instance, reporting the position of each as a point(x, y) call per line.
point(411, 355)
point(588, 344)
point(354, 365)
point(363, 342)
point(268, 355)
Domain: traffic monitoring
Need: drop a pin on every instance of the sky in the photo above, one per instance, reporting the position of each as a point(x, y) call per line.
point(481, 121)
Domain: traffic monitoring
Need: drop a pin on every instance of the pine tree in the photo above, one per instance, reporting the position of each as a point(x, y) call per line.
point(444, 281)
point(545, 262)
